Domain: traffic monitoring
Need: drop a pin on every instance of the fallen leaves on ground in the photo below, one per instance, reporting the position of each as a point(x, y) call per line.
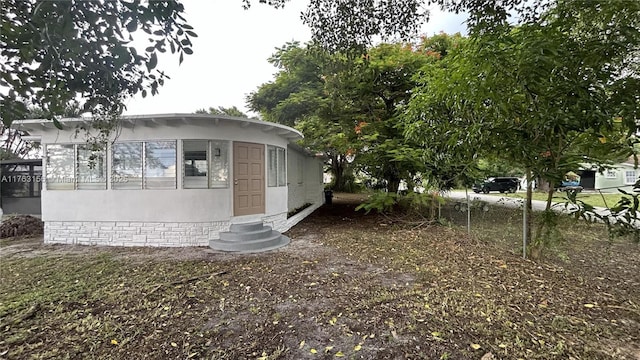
point(347, 289)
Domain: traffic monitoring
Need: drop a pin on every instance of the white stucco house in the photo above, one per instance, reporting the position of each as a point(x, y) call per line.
point(175, 180)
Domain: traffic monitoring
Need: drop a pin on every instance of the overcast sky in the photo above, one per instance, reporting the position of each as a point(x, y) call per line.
point(231, 51)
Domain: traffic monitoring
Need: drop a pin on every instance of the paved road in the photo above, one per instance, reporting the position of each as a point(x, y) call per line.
point(537, 205)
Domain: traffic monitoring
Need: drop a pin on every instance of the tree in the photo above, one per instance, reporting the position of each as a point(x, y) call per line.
point(376, 86)
point(297, 97)
point(12, 146)
point(221, 110)
point(57, 52)
point(546, 94)
point(348, 107)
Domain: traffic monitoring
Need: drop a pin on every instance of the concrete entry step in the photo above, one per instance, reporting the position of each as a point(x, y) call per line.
point(246, 227)
point(249, 238)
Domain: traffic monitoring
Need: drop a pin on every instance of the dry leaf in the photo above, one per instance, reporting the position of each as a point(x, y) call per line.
point(475, 346)
point(487, 356)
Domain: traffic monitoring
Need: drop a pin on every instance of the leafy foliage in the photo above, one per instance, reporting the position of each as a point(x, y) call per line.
point(55, 52)
point(221, 110)
point(351, 25)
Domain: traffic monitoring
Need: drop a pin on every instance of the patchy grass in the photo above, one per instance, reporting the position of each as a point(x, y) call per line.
point(594, 199)
point(349, 285)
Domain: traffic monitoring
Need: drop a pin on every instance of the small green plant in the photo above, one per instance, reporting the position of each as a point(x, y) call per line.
point(381, 201)
point(621, 220)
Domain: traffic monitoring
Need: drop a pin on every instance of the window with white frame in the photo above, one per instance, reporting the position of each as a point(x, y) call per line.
point(60, 171)
point(72, 167)
point(143, 165)
point(610, 174)
point(219, 164)
point(277, 166)
point(126, 165)
point(160, 165)
point(91, 168)
point(206, 164)
point(630, 177)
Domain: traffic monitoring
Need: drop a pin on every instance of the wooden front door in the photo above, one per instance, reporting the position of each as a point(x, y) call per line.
point(248, 178)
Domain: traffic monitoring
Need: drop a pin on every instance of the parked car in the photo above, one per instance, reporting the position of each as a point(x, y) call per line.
point(501, 184)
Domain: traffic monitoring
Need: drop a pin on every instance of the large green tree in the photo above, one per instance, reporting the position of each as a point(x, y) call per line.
point(348, 107)
point(57, 52)
point(547, 94)
point(54, 52)
point(377, 86)
point(298, 97)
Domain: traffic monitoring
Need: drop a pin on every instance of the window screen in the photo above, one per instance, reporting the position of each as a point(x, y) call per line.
point(160, 165)
point(60, 167)
point(126, 169)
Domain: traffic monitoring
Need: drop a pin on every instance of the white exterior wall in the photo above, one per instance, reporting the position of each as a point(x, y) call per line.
point(171, 205)
point(612, 184)
point(172, 217)
point(305, 186)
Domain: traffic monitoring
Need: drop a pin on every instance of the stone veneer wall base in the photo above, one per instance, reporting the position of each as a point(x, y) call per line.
point(166, 234)
point(123, 233)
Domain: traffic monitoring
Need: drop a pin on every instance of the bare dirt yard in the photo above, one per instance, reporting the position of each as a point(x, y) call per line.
point(349, 286)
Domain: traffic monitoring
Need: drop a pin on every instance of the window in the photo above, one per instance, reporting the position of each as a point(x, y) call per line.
point(630, 177)
point(20, 180)
point(60, 167)
point(72, 167)
point(91, 169)
point(196, 165)
point(272, 171)
point(610, 174)
point(206, 164)
point(219, 164)
point(126, 165)
point(276, 172)
point(160, 165)
point(282, 168)
point(144, 165)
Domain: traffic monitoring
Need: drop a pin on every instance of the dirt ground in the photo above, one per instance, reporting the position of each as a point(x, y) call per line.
point(349, 285)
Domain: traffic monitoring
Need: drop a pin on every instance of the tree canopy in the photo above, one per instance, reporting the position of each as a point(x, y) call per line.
point(57, 52)
point(221, 110)
point(547, 95)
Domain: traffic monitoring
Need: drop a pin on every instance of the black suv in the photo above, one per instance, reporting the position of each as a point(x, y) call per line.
point(502, 184)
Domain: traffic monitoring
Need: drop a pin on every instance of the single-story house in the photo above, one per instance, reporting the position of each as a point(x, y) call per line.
point(20, 186)
point(621, 176)
point(176, 180)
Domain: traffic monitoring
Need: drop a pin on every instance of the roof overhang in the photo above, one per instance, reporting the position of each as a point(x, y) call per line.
point(39, 126)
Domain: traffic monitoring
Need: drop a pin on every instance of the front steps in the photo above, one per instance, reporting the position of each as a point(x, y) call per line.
point(249, 238)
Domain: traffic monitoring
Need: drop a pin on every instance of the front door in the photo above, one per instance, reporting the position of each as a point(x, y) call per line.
point(248, 178)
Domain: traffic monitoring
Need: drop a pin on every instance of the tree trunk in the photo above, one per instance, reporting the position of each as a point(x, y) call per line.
point(393, 184)
point(527, 225)
point(339, 168)
point(549, 197)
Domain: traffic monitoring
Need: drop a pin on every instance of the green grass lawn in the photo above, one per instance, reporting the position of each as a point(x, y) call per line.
point(595, 199)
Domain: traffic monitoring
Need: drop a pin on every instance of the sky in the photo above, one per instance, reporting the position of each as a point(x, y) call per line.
point(231, 52)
